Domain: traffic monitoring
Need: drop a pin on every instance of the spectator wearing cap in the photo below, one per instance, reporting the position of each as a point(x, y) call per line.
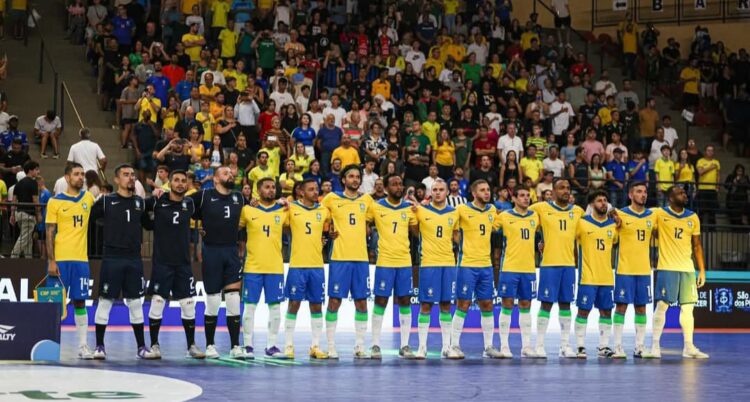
point(13, 133)
point(48, 128)
point(617, 176)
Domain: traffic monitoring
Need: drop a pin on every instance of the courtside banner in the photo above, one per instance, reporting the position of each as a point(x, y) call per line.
point(29, 331)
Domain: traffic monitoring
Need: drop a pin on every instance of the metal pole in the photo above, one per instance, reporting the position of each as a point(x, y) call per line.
point(62, 106)
point(41, 61)
point(54, 92)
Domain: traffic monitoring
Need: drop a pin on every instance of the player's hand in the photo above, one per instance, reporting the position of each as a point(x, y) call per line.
point(701, 278)
point(52, 269)
point(158, 192)
point(284, 202)
point(613, 215)
point(254, 202)
point(541, 246)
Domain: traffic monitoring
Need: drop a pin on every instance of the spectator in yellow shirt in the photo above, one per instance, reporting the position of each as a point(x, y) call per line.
point(664, 169)
point(220, 15)
point(381, 86)
point(347, 154)
point(532, 167)
point(709, 172)
point(690, 76)
point(431, 128)
point(435, 60)
point(629, 38)
point(527, 36)
point(228, 39)
point(193, 42)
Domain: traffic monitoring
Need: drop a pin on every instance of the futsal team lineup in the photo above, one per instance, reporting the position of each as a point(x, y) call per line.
point(598, 261)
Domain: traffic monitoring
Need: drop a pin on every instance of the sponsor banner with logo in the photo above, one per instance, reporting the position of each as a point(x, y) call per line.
point(29, 331)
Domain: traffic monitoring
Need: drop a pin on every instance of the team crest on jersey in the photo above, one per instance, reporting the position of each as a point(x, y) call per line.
point(491, 218)
point(570, 214)
point(609, 234)
point(184, 206)
point(362, 206)
point(105, 287)
point(532, 223)
point(690, 224)
point(403, 216)
point(277, 219)
point(648, 224)
point(234, 198)
point(137, 204)
point(450, 221)
point(318, 217)
point(85, 206)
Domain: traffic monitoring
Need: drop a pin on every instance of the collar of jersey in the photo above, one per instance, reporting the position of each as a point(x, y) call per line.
point(514, 213)
point(552, 203)
point(384, 202)
point(301, 205)
point(646, 212)
point(272, 208)
point(685, 212)
point(344, 196)
point(447, 208)
point(601, 224)
point(66, 197)
point(474, 207)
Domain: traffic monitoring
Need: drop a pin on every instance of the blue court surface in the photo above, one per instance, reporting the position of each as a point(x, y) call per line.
point(722, 377)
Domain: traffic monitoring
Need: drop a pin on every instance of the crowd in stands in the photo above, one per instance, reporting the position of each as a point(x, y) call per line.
point(461, 90)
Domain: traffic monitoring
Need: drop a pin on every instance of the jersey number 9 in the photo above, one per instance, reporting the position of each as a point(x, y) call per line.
point(482, 229)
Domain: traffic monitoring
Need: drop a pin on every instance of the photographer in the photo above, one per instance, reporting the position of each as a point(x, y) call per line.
point(178, 154)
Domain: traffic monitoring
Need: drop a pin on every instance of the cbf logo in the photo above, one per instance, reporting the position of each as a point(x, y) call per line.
point(570, 214)
point(648, 224)
point(318, 217)
point(137, 204)
point(335, 288)
point(491, 218)
point(184, 206)
point(724, 300)
point(294, 290)
point(277, 219)
point(532, 223)
point(450, 221)
point(234, 198)
point(105, 287)
point(429, 292)
point(465, 289)
point(362, 206)
point(690, 224)
point(609, 234)
point(85, 207)
point(403, 216)
point(382, 285)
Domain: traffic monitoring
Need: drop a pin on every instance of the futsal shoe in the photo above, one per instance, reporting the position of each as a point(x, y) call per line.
point(619, 353)
point(540, 352)
point(528, 352)
point(359, 352)
point(444, 353)
point(567, 352)
point(194, 352)
point(145, 353)
point(332, 353)
point(84, 353)
point(316, 353)
point(375, 353)
point(237, 353)
point(100, 353)
point(156, 349)
point(638, 352)
point(289, 352)
point(248, 353)
point(691, 352)
point(211, 352)
point(455, 353)
point(406, 353)
point(605, 352)
point(275, 353)
point(421, 353)
point(581, 354)
point(655, 353)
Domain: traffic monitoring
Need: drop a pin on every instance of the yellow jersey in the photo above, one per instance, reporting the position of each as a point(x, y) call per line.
point(675, 239)
point(256, 174)
point(532, 168)
point(436, 227)
point(518, 251)
point(475, 227)
point(392, 223)
point(193, 51)
point(207, 121)
point(633, 250)
point(220, 12)
point(307, 225)
point(559, 232)
point(349, 217)
point(709, 180)
point(274, 160)
point(228, 41)
point(691, 76)
point(264, 227)
point(596, 239)
point(71, 215)
point(146, 105)
point(664, 169)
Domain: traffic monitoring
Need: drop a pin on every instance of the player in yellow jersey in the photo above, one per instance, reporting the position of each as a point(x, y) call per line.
point(557, 274)
point(596, 235)
point(392, 218)
point(264, 266)
point(633, 267)
point(67, 226)
point(349, 269)
point(475, 279)
point(305, 280)
point(438, 222)
point(679, 234)
point(517, 280)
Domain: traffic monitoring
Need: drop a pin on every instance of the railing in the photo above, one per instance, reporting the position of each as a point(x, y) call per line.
point(44, 55)
point(581, 36)
point(605, 14)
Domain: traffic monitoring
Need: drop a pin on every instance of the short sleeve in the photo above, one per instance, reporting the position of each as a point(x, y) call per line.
point(52, 207)
point(243, 216)
point(696, 224)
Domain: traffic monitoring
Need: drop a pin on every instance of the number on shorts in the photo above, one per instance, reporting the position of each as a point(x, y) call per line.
point(84, 283)
point(192, 283)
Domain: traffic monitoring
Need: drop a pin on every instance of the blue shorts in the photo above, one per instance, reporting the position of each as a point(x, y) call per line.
point(176, 281)
point(633, 289)
point(345, 277)
point(272, 285)
point(676, 286)
point(121, 275)
point(221, 267)
point(437, 284)
point(393, 281)
point(305, 284)
point(75, 278)
point(557, 284)
point(476, 282)
point(517, 285)
point(590, 296)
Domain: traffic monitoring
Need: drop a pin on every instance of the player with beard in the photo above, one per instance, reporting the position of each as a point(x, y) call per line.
point(633, 267)
point(392, 217)
point(349, 270)
point(219, 209)
point(171, 271)
point(264, 265)
point(308, 221)
point(122, 214)
point(67, 224)
point(596, 235)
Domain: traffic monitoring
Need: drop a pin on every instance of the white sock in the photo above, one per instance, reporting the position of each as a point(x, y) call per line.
point(605, 328)
point(331, 321)
point(446, 325)
point(360, 327)
point(377, 324)
point(580, 330)
point(504, 325)
point(289, 323)
point(317, 328)
point(542, 322)
point(404, 322)
point(274, 320)
point(82, 328)
point(423, 328)
point(565, 319)
point(640, 330)
point(488, 328)
point(619, 324)
point(524, 321)
point(660, 318)
point(687, 322)
point(248, 324)
point(457, 327)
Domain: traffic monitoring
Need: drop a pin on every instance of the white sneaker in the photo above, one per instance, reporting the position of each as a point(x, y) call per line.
point(691, 352)
point(84, 353)
point(528, 352)
point(455, 353)
point(506, 353)
point(100, 353)
point(619, 353)
point(654, 354)
point(638, 352)
point(444, 353)
point(359, 352)
point(332, 353)
point(237, 353)
point(421, 353)
point(211, 352)
point(567, 352)
point(194, 352)
point(156, 350)
point(491, 353)
point(540, 352)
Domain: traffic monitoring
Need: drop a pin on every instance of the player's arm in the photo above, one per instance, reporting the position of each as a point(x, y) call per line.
point(197, 198)
point(97, 211)
point(147, 219)
point(698, 254)
point(243, 216)
point(52, 269)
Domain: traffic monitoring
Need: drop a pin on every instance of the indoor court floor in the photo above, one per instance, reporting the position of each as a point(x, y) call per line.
point(722, 377)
